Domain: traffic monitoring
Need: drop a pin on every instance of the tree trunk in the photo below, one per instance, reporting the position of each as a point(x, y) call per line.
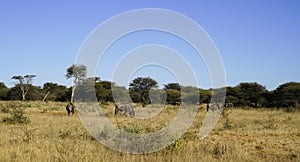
point(72, 95)
point(45, 97)
point(23, 94)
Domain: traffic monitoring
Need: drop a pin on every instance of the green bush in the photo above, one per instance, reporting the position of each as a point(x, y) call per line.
point(135, 128)
point(16, 116)
point(225, 114)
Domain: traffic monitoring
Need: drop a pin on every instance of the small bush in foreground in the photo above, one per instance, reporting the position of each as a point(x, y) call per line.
point(16, 116)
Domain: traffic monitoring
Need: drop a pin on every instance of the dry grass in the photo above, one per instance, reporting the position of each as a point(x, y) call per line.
point(253, 135)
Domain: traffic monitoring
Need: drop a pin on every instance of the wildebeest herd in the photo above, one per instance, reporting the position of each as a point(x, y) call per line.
point(214, 106)
point(128, 108)
point(124, 108)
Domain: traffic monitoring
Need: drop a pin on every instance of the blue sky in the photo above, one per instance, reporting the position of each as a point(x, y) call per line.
point(259, 41)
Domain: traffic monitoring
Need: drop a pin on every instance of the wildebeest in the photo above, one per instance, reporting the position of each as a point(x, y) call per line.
point(214, 106)
point(70, 108)
point(124, 108)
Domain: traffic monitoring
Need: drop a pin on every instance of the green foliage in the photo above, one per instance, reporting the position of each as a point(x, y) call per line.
point(16, 115)
point(177, 145)
point(205, 96)
point(135, 128)
point(103, 91)
point(172, 86)
point(173, 96)
point(140, 87)
point(190, 95)
point(34, 93)
point(144, 90)
point(85, 90)
point(3, 91)
point(287, 95)
point(251, 93)
point(246, 94)
point(120, 94)
point(55, 92)
point(76, 71)
point(24, 83)
point(225, 114)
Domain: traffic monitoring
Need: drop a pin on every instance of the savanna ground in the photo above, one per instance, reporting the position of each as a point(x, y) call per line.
point(240, 135)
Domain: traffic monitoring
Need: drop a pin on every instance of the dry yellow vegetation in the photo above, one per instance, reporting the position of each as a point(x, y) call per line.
point(240, 135)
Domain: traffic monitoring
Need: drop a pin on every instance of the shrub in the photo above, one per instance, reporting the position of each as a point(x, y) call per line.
point(16, 116)
point(135, 128)
point(225, 115)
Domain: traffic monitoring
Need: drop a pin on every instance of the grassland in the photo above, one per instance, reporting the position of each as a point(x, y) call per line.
point(240, 135)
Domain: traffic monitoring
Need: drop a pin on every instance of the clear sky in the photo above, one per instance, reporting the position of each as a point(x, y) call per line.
point(259, 41)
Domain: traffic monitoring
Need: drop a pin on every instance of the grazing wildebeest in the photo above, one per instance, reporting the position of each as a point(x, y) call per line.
point(214, 106)
point(70, 108)
point(124, 108)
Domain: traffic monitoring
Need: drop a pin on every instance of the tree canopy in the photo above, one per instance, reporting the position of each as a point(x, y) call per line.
point(140, 87)
point(78, 73)
point(145, 90)
point(24, 84)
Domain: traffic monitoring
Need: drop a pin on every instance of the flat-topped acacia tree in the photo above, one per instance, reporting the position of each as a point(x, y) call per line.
point(78, 73)
point(24, 82)
point(141, 86)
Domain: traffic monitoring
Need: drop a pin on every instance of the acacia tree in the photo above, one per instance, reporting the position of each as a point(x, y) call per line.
point(78, 73)
point(287, 95)
point(251, 93)
point(3, 91)
point(141, 86)
point(172, 86)
point(24, 82)
point(54, 92)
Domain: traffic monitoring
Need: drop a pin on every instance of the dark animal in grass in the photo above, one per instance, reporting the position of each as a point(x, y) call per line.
point(124, 108)
point(70, 108)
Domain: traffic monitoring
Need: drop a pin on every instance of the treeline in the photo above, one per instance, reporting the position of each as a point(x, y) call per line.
point(244, 94)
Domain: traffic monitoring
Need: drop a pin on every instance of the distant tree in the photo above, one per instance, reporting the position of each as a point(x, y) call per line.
point(268, 99)
point(141, 87)
point(103, 91)
point(251, 93)
point(158, 96)
point(14, 93)
point(85, 90)
point(78, 73)
point(190, 95)
point(24, 83)
point(172, 86)
point(205, 96)
point(233, 96)
point(54, 92)
point(34, 93)
point(173, 96)
point(120, 94)
point(3, 91)
point(287, 95)
point(47, 88)
point(62, 93)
